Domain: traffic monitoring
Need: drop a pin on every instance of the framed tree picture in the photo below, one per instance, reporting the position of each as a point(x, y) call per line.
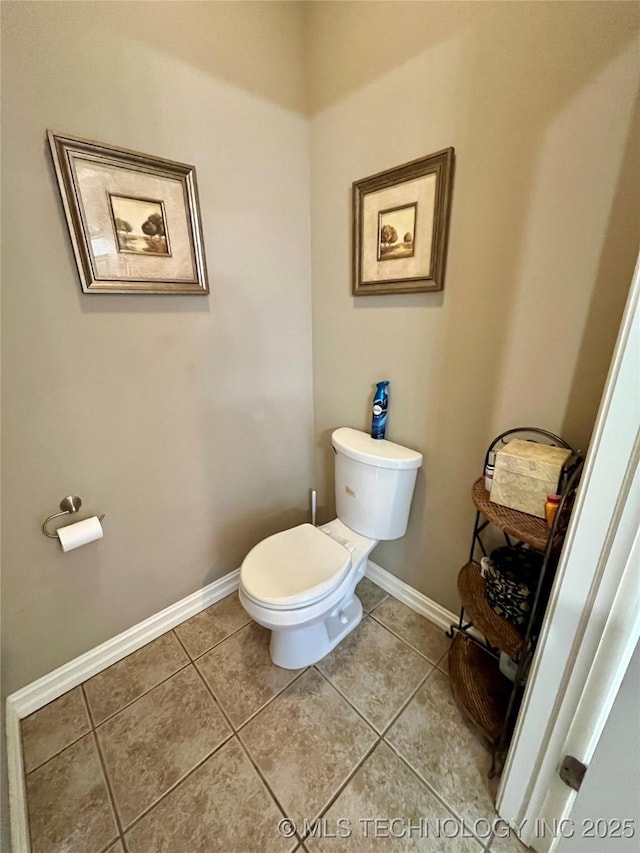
point(400, 227)
point(133, 219)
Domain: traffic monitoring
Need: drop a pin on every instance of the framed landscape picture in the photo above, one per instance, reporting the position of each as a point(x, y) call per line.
point(133, 219)
point(400, 225)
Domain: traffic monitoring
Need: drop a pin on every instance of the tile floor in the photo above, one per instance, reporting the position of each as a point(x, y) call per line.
point(198, 743)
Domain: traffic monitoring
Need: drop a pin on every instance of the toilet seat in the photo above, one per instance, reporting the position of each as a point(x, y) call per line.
point(295, 568)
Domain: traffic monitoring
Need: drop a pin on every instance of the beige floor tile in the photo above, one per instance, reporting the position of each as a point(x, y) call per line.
point(153, 743)
point(439, 744)
point(116, 848)
point(203, 631)
point(443, 663)
point(306, 742)
point(49, 730)
point(385, 789)
point(507, 844)
point(427, 638)
point(69, 808)
point(369, 594)
point(120, 684)
point(376, 671)
point(222, 806)
point(241, 673)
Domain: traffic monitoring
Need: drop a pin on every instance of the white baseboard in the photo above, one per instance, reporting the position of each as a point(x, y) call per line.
point(39, 693)
point(415, 600)
point(20, 840)
point(54, 684)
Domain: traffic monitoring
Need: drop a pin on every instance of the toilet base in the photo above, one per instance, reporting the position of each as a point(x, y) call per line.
point(294, 648)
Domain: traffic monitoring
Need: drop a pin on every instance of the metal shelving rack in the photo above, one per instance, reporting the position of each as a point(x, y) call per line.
point(486, 696)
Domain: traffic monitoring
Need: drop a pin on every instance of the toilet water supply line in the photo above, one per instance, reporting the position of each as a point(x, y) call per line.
point(314, 504)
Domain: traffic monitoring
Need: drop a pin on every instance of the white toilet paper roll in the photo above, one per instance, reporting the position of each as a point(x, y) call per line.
point(81, 533)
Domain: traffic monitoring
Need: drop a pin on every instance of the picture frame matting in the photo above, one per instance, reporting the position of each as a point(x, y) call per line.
point(133, 219)
point(400, 227)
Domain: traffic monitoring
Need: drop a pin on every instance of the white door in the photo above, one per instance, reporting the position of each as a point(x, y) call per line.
point(606, 815)
point(592, 623)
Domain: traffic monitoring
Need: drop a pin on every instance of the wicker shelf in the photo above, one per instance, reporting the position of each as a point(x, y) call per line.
point(496, 630)
point(489, 700)
point(478, 686)
point(525, 528)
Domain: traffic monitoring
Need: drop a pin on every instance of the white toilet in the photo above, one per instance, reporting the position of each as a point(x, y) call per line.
point(301, 583)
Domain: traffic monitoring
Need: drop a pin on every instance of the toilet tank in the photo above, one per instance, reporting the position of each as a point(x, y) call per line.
point(374, 483)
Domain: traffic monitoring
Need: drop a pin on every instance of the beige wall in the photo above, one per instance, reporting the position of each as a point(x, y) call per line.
point(187, 420)
point(538, 101)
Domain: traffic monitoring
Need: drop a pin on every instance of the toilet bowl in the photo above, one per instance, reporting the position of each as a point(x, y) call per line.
point(300, 583)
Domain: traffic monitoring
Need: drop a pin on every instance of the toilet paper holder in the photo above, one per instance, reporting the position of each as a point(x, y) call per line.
point(68, 505)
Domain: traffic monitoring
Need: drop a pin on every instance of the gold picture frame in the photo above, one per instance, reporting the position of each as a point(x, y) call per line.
point(133, 219)
point(400, 227)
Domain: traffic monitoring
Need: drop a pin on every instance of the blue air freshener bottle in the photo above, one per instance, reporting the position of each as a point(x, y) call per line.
point(379, 416)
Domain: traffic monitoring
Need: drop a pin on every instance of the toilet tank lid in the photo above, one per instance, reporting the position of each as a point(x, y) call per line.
point(373, 451)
